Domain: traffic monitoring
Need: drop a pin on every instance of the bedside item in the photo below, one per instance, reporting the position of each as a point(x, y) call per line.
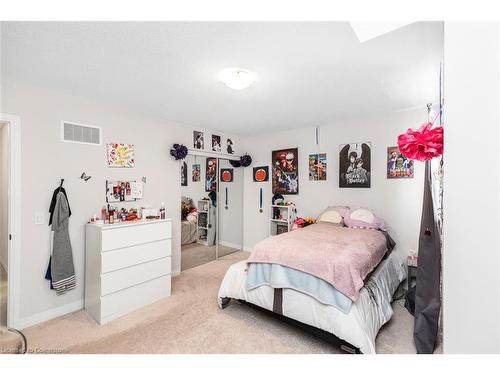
point(127, 266)
point(282, 218)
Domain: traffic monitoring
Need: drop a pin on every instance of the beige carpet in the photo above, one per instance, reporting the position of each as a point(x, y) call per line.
point(191, 322)
point(194, 254)
point(3, 296)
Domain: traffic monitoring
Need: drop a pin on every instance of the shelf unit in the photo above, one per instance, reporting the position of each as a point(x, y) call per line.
point(204, 223)
point(281, 218)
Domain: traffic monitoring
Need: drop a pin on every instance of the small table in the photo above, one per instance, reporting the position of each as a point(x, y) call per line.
point(411, 274)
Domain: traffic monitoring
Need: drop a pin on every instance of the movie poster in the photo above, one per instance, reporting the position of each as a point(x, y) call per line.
point(211, 175)
point(317, 167)
point(355, 165)
point(398, 166)
point(198, 141)
point(230, 146)
point(285, 171)
point(196, 172)
point(184, 174)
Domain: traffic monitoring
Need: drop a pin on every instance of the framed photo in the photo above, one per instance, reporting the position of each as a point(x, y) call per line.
point(121, 155)
point(216, 146)
point(184, 174)
point(226, 174)
point(317, 167)
point(196, 172)
point(230, 146)
point(398, 165)
point(211, 175)
point(198, 140)
point(120, 191)
point(355, 165)
point(261, 174)
point(285, 177)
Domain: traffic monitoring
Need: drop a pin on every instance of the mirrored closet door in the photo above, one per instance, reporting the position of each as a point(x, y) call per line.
point(211, 209)
point(230, 209)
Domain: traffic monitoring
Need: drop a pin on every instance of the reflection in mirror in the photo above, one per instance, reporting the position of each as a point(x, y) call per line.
point(198, 211)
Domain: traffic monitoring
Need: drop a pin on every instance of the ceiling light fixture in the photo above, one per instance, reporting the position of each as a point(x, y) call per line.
point(237, 78)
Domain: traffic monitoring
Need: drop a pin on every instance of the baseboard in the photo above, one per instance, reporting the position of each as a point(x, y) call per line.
point(51, 314)
point(230, 244)
point(176, 272)
point(247, 248)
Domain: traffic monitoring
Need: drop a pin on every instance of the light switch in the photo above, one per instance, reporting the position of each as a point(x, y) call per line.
point(39, 218)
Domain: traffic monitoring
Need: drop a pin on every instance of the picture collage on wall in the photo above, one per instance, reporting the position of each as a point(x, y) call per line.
point(285, 173)
point(211, 175)
point(355, 165)
point(216, 144)
point(398, 165)
point(317, 167)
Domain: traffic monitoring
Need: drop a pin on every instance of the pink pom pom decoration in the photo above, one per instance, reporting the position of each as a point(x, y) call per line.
point(424, 144)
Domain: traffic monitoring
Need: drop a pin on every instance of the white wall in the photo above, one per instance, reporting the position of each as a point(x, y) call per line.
point(398, 201)
point(45, 160)
point(471, 277)
point(4, 160)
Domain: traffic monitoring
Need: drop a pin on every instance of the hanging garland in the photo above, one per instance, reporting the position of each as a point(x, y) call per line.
point(178, 151)
point(244, 161)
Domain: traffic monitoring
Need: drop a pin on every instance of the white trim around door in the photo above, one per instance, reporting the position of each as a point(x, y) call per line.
point(14, 219)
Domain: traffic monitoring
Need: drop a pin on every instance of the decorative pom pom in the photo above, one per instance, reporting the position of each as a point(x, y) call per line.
point(178, 151)
point(423, 144)
point(246, 160)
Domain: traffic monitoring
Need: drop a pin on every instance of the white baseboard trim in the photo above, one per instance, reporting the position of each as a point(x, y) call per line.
point(231, 245)
point(176, 272)
point(51, 314)
point(247, 248)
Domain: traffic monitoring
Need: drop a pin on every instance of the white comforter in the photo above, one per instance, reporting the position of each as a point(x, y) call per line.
point(359, 327)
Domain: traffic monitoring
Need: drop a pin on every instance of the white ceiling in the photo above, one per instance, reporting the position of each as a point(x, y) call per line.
point(309, 73)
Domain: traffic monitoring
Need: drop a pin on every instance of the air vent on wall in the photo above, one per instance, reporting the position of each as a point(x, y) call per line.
point(79, 133)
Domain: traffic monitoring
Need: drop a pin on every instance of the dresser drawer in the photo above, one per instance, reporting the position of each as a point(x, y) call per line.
point(116, 238)
point(129, 256)
point(130, 276)
point(133, 298)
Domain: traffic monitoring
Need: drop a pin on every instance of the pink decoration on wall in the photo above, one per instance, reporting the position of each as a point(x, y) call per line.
point(423, 144)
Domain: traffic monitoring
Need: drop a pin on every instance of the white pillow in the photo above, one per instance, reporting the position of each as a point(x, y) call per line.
point(362, 214)
point(332, 216)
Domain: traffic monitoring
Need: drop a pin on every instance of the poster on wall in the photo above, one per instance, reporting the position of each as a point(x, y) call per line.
point(198, 140)
point(216, 143)
point(285, 178)
point(196, 172)
point(398, 165)
point(317, 167)
point(261, 174)
point(226, 174)
point(355, 165)
point(184, 174)
point(120, 155)
point(230, 146)
point(211, 175)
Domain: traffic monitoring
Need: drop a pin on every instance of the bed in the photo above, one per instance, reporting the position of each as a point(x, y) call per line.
point(360, 259)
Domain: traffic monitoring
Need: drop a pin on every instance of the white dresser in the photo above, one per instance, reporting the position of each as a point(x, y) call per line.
point(127, 266)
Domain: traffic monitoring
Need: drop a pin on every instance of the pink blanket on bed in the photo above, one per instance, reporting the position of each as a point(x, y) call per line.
point(341, 256)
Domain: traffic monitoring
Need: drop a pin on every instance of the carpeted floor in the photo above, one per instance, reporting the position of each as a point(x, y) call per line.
point(195, 254)
point(191, 322)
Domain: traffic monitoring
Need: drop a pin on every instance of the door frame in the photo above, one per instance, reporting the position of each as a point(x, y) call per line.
point(14, 219)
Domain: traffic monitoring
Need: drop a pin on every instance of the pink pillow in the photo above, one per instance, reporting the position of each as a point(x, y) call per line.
point(363, 218)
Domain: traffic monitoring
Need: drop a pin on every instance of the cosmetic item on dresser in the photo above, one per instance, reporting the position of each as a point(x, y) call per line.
point(127, 266)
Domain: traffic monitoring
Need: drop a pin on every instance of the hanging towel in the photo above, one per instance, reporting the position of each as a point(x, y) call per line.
point(61, 263)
